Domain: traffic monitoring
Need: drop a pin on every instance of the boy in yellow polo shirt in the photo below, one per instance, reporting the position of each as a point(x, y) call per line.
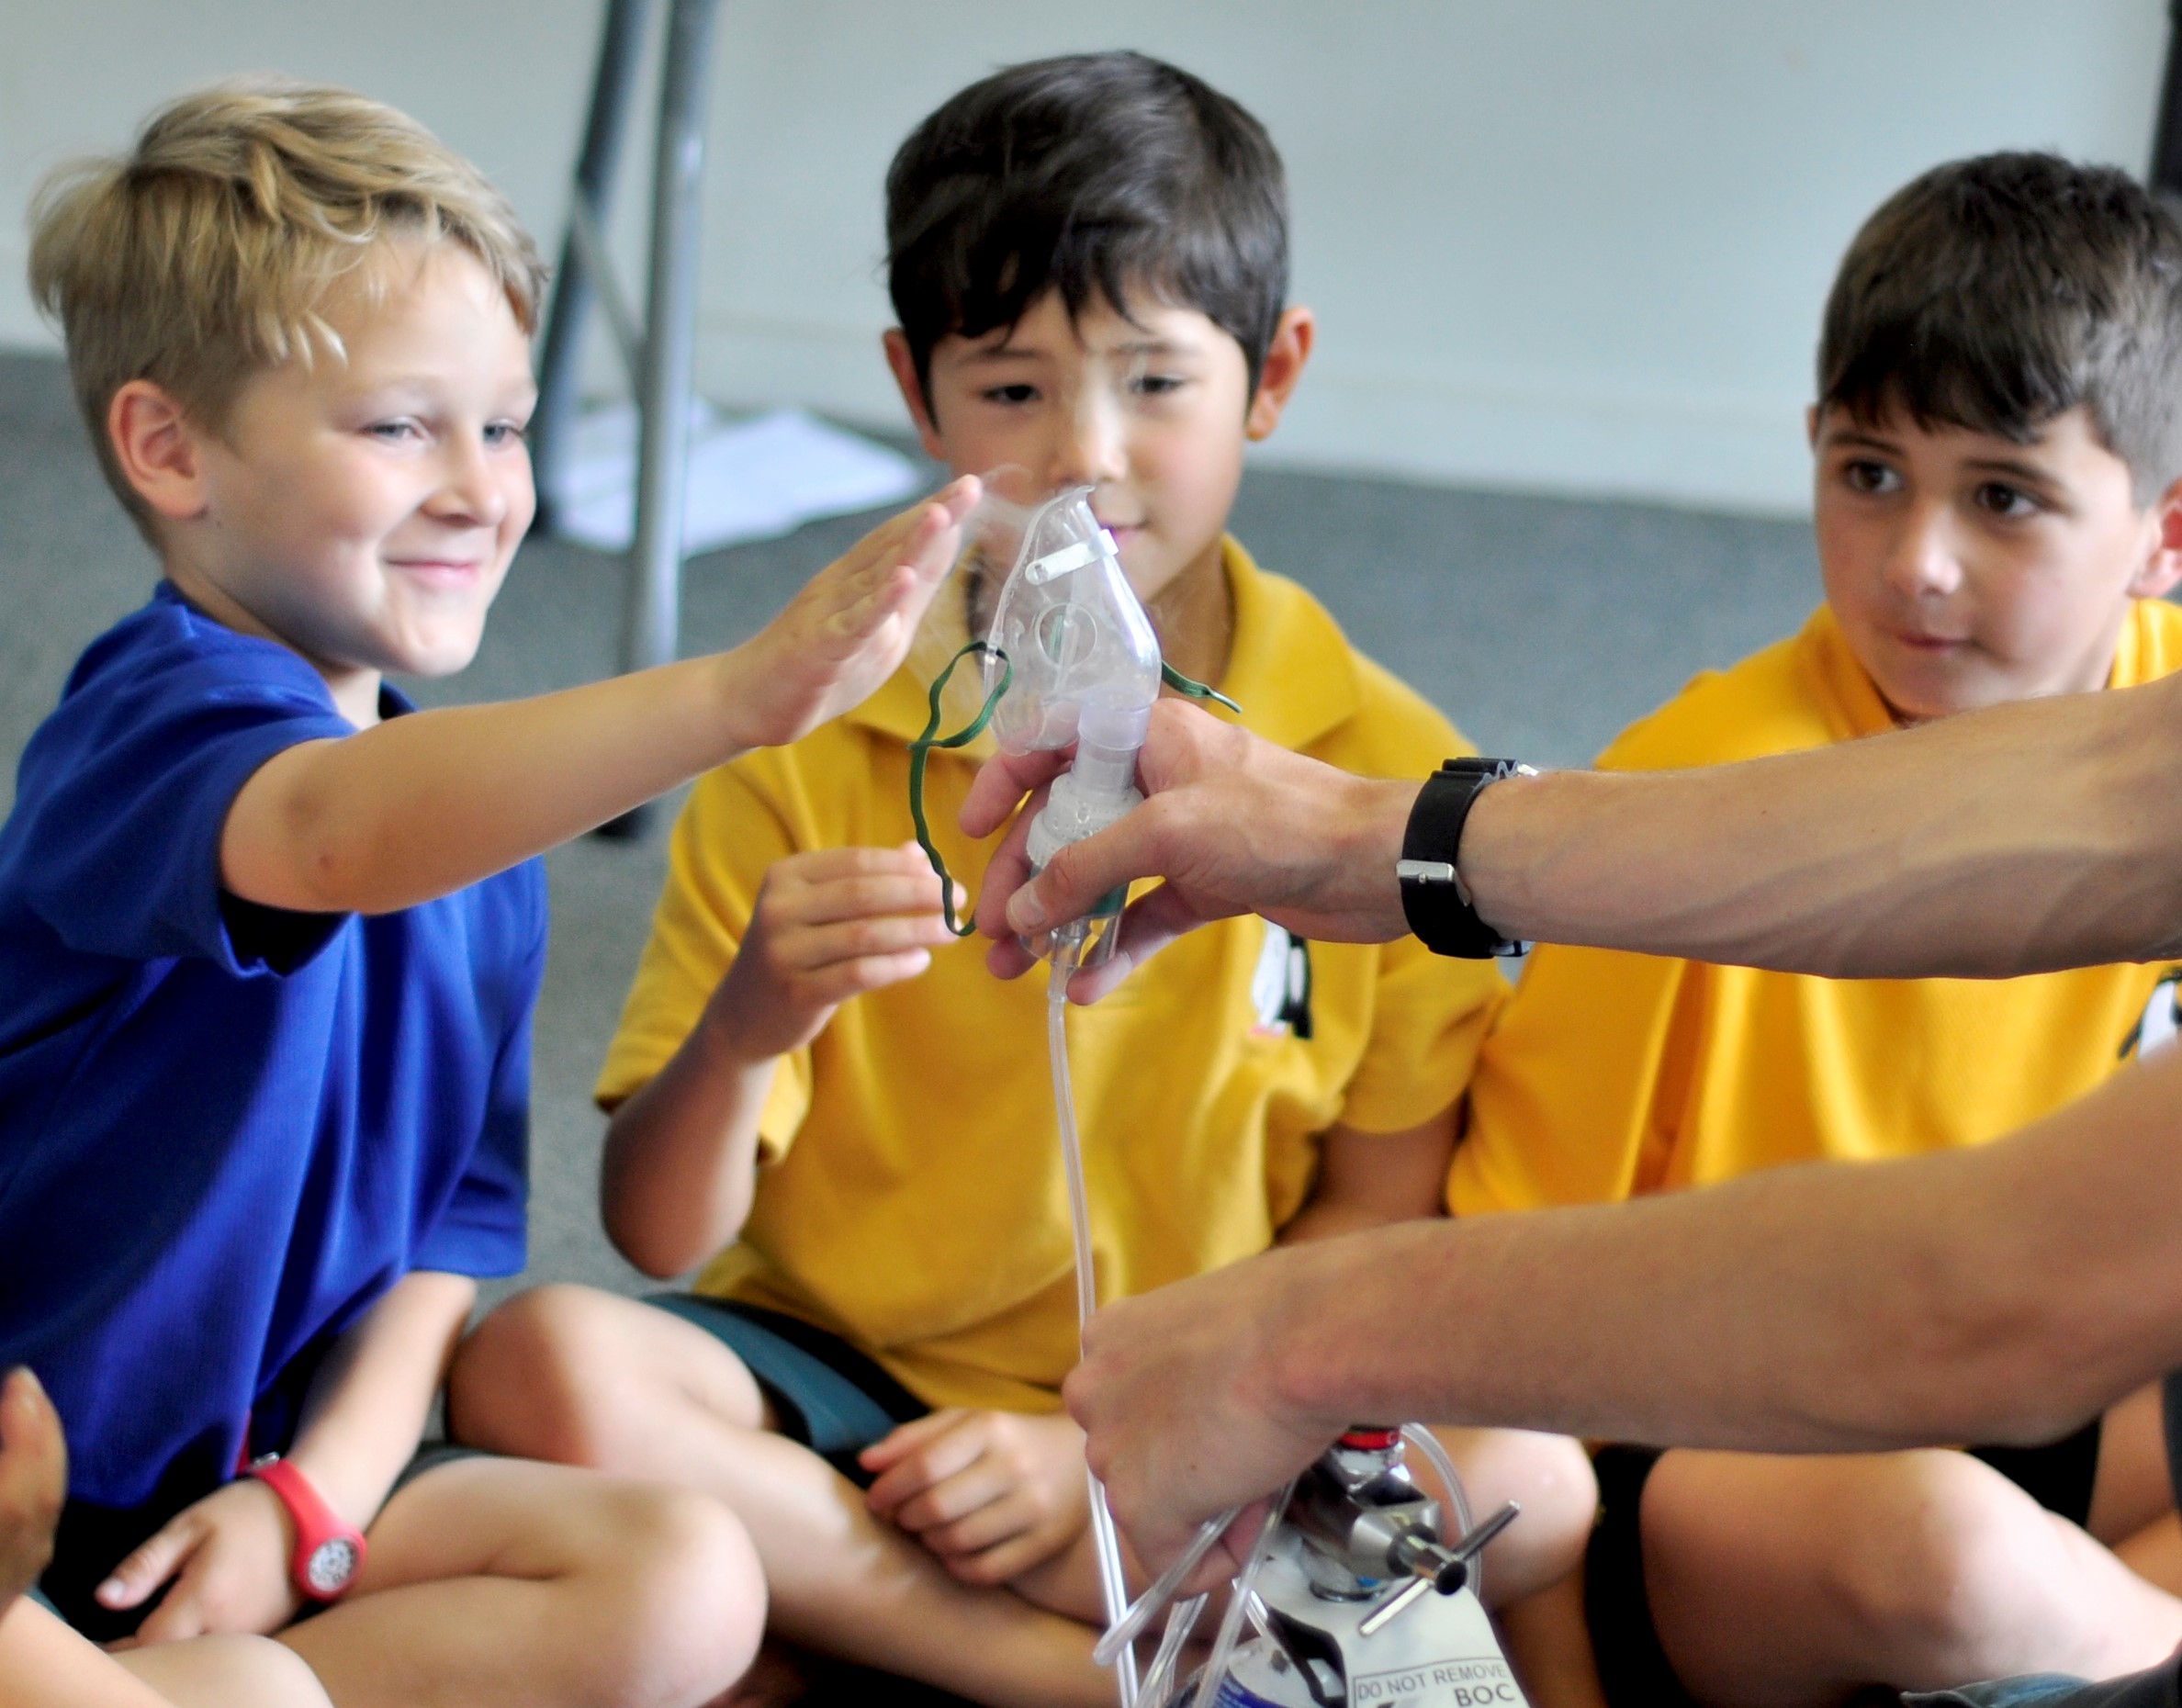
point(1998, 436)
point(1089, 261)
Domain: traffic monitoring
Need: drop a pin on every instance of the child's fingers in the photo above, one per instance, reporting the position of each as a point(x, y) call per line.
point(889, 1449)
point(153, 1563)
point(944, 1453)
point(1002, 1562)
point(819, 954)
point(999, 1521)
point(871, 896)
point(949, 1501)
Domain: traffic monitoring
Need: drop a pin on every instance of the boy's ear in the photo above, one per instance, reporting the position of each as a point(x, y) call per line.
point(2163, 568)
point(1293, 337)
point(901, 363)
point(1811, 425)
point(156, 446)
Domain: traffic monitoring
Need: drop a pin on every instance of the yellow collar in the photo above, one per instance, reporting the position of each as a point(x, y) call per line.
point(1289, 667)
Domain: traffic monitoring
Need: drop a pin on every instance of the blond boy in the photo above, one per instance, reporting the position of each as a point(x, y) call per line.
point(269, 940)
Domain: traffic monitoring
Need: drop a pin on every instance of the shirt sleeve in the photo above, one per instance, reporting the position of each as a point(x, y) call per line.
point(129, 792)
point(728, 836)
point(484, 1229)
point(1578, 1094)
point(1430, 1015)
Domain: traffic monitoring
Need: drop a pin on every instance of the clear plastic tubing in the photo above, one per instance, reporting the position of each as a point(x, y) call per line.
point(1113, 1587)
point(1427, 1444)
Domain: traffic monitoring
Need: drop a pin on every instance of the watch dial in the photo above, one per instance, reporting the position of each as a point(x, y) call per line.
point(332, 1564)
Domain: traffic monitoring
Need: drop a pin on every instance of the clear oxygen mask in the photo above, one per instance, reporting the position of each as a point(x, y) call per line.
point(1069, 659)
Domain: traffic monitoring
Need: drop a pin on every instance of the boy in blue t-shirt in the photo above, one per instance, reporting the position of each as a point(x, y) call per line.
point(270, 941)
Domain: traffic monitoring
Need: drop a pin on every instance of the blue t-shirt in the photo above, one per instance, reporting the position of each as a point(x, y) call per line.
point(226, 1130)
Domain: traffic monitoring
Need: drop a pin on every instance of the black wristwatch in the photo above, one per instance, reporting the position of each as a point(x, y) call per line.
point(1438, 908)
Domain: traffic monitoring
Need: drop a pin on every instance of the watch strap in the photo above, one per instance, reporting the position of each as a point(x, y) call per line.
point(1437, 907)
point(329, 1549)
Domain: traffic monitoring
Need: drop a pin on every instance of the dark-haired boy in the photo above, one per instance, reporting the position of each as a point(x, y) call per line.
point(1089, 261)
point(1998, 436)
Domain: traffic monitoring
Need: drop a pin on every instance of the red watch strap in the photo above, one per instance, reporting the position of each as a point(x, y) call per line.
point(321, 1572)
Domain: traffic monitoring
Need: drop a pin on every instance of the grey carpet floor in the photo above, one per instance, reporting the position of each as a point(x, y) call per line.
point(1540, 625)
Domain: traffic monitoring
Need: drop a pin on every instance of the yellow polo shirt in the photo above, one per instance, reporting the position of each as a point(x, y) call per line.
point(1611, 1074)
point(910, 1195)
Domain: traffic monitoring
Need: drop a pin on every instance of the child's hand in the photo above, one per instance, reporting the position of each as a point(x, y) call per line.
point(33, 1482)
point(849, 629)
point(229, 1558)
point(828, 923)
point(990, 1493)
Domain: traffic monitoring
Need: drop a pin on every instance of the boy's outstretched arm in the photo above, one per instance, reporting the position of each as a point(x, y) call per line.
point(423, 805)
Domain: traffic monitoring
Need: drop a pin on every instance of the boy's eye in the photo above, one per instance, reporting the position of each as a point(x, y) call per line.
point(1996, 497)
point(1861, 475)
point(395, 431)
point(1016, 391)
point(1159, 384)
point(498, 433)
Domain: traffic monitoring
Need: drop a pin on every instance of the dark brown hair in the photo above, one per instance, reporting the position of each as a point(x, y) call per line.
point(1997, 293)
point(1096, 174)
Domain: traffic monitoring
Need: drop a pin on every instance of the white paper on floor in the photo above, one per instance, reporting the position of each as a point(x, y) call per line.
point(753, 479)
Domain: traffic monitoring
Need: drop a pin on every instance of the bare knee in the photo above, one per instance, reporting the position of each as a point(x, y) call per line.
point(228, 1672)
point(674, 1594)
point(1943, 1567)
point(542, 1376)
point(1550, 1478)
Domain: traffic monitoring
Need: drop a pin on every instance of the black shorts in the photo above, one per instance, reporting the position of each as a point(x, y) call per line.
point(1633, 1669)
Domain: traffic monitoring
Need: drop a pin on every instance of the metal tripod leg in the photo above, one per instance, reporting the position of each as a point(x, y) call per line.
point(577, 279)
point(665, 388)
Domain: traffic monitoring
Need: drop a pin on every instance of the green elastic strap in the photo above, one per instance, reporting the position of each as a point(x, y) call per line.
point(1182, 684)
point(920, 750)
point(930, 737)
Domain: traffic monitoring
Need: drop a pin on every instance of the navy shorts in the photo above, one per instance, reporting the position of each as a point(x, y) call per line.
point(2160, 1688)
point(824, 1393)
point(1633, 1669)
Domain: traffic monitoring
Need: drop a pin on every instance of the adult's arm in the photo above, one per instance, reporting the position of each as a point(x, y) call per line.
point(2038, 835)
point(2000, 1293)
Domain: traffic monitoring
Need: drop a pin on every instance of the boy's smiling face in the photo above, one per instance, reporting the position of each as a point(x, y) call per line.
point(363, 508)
point(1150, 411)
point(1967, 569)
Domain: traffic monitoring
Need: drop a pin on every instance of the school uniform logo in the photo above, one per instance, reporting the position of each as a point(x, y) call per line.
point(2162, 1020)
point(1280, 988)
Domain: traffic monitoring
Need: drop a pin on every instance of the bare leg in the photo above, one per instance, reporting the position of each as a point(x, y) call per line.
point(583, 1377)
point(1549, 1646)
point(1551, 1476)
point(43, 1664)
point(1781, 1582)
point(492, 1582)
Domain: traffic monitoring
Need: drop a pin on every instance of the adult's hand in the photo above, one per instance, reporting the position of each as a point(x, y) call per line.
point(1234, 824)
point(1182, 1396)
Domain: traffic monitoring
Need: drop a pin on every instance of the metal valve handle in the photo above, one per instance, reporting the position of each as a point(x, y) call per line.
point(1436, 1565)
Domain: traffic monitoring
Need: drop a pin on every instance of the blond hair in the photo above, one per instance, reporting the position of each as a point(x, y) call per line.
point(202, 256)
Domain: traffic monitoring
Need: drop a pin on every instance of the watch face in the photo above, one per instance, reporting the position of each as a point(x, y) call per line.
point(332, 1564)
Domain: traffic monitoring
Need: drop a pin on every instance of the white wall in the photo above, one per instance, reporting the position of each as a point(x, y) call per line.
point(1573, 245)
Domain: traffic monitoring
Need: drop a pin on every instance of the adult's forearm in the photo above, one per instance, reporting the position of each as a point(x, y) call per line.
point(2034, 836)
point(1998, 1294)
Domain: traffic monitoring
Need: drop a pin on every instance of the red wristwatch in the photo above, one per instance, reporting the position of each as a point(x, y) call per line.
point(329, 1549)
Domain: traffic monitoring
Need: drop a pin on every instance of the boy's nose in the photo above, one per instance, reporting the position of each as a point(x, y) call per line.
point(1922, 558)
point(1088, 446)
point(468, 490)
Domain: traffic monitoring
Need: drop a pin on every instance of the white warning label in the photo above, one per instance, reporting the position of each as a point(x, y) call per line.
point(1480, 1684)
